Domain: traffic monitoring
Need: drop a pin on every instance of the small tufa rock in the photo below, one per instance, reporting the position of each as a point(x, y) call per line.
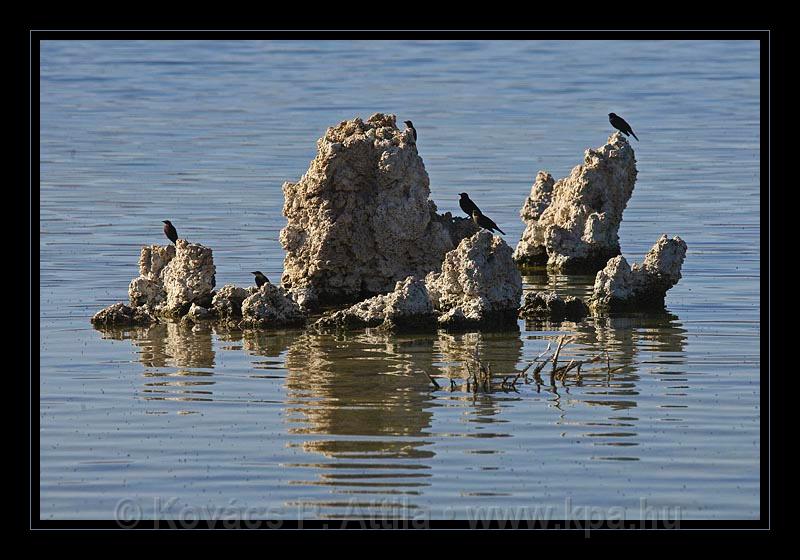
point(408, 306)
point(148, 288)
point(479, 282)
point(271, 306)
point(578, 228)
point(621, 287)
point(197, 313)
point(189, 277)
point(120, 314)
point(227, 302)
point(548, 306)
point(171, 279)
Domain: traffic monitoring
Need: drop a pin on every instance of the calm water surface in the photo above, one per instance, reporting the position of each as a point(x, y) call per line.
point(296, 424)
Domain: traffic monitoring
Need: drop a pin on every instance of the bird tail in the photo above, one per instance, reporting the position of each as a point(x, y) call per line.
point(501, 231)
point(634, 135)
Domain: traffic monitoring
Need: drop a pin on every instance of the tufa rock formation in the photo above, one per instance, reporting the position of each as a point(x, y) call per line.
point(227, 302)
point(148, 288)
point(479, 285)
point(551, 307)
point(172, 278)
point(408, 306)
point(572, 225)
point(178, 282)
point(620, 287)
point(120, 314)
point(188, 278)
point(271, 306)
point(359, 220)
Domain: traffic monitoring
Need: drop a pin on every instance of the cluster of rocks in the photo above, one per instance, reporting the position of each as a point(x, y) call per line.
point(617, 287)
point(478, 285)
point(572, 224)
point(177, 282)
point(361, 228)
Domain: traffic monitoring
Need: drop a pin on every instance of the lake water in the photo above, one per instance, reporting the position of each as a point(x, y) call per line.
point(168, 420)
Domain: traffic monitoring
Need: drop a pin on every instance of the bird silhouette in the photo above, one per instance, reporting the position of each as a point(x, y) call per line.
point(467, 205)
point(410, 125)
point(620, 124)
point(170, 231)
point(485, 222)
point(260, 278)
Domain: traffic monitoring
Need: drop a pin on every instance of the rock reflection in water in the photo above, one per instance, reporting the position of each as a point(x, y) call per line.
point(170, 344)
point(163, 346)
point(365, 394)
point(361, 405)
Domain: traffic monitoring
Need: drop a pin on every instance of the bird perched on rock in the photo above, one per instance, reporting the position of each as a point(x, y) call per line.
point(260, 278)
point(170, 231)
point(467, 205)
point(410, 125)
point(484, 222)
point(620, 124)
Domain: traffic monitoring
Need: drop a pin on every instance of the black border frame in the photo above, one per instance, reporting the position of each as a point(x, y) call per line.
point(772, 101)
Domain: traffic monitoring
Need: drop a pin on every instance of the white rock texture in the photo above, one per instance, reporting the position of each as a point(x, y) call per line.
point(409, 305)
point(359, 220)
point(148, 288)
point(271, 306)
point(479, 282)
point(171, 279)
point(577, 228)
point(622, 287)
point(227, 302)
point(189, 277)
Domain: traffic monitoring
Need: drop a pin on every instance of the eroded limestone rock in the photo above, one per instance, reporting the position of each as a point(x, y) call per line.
point(479, 285)
point(479, 282)
point(227, 302)
point(408, 306)
point(271, 306)
point(359, 220)
point(171, 279)
point(197, 313)
point(549, 306)
point(148, 288)
point(540, 197)
point(188, 278)
point(621, 287)
point(120, 314)
point(578, 228)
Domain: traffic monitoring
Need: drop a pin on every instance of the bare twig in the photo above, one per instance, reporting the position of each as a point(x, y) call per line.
point(558, 351)
point(435, 385)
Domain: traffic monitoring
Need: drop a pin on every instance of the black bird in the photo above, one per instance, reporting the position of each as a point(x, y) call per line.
point(484, 222)
point(410, 125)
point(260, 278)
point(467, 205)
point(620, 124)
point(170, 231)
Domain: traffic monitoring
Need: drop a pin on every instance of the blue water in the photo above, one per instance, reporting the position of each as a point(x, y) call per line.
point(293, 424)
